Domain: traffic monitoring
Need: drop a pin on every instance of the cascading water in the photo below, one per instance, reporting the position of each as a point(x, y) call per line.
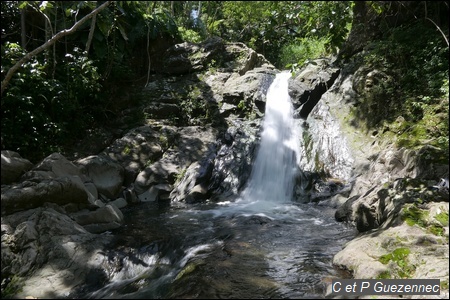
point(272, 177)
point(260, 245)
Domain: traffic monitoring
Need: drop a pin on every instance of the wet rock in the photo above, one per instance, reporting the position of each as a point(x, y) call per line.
point(363, 254)
point(197, 194)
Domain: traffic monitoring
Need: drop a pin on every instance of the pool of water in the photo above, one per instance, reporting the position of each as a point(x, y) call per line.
point(223, 250)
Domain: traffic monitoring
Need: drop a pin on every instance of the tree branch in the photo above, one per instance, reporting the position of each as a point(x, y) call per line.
point(440, 30)
point(426, 18)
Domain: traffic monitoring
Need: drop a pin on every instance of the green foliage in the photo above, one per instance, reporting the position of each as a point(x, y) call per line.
point(414, 85)
point(245, 110)
point(126, 150)
point(81, 78)
point(268, 26)
point(10, 14)
point(397, 255)
point(159, 22)
point(54, 97)
point(179, 176)
point(326, 20)
point(294, 56)
point(190, 35)
point(241, 105)
point(423, 62)
point(61, 92)
point(384, 275)
point(436, 230)
point(164, 142)
point(14, 286)
point(195, 110)
point(41, 113)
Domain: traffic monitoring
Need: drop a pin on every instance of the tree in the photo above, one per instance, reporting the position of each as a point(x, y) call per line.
point(268, 26)
point(49, 43)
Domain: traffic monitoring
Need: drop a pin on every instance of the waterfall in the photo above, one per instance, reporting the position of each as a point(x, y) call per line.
point(273, 174)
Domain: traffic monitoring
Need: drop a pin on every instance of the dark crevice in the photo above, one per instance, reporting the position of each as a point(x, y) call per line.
point(311, 97)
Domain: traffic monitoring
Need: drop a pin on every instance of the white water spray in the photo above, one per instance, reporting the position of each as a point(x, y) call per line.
point(273, 173)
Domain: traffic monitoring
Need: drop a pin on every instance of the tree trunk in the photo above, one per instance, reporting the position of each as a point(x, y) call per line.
point(23, 29)
point(365, 27)
point(91, 34)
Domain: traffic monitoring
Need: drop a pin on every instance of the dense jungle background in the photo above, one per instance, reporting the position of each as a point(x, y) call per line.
point(69, 67)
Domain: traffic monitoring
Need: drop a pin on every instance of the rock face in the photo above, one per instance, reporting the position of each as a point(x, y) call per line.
point(394, 200)
point(204, 111)
point(44, 245)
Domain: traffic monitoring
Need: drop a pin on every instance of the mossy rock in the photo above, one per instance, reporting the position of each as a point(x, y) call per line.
point(413, 215)
point(400, 257)
point(442, 218)
point(430, 154)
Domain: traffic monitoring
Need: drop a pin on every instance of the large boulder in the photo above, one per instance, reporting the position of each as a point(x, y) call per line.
point(192, 144)
point(28, 194)
point(308, 86)
point(137, 148)
point(417, 247)
point(107, 175)
point(58, 165)
point(100, 220)
point(247, 93)
point(13, 166)
point(44, 245)
point(236, 151)
point(187, 57)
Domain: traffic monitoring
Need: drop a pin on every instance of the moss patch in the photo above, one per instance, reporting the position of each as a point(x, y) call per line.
point(436, 230)
point(400, 257)
point(442, 218)
point(14, 286)
point(396, 255)
point(413, 215)
point(384, 275)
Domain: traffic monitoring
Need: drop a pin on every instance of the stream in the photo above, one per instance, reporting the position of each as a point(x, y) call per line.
point(213, 251)
point(261, 244)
